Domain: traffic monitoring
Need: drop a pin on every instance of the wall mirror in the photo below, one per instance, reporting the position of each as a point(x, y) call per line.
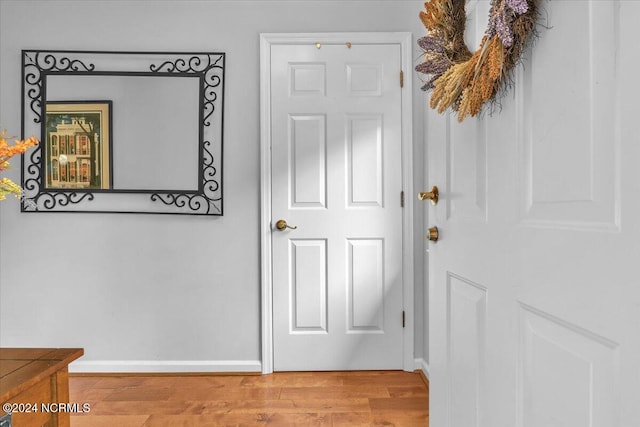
point(123, 132)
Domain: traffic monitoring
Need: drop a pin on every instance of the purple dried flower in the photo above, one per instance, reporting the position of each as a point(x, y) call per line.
point(429, 43)
point(518, 6)
point(430, 84)
point(434, 66)
point(498, 24)
point(491, 30)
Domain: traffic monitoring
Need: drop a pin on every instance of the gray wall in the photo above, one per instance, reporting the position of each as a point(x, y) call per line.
point(158, 288)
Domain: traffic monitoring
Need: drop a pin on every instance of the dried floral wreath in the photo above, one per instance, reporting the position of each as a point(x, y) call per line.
point(463, 80)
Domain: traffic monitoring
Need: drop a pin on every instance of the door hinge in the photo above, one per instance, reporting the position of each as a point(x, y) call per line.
point(401, 78)
point(402, 199)
point(403, 319)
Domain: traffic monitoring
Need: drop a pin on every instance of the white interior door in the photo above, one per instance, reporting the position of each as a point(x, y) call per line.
point(336, 174)
point(534, 291)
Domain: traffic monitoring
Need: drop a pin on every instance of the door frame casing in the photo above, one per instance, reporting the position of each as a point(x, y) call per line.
point(404, 39)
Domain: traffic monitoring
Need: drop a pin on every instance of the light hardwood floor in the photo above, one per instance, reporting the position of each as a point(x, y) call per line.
point(370, 398)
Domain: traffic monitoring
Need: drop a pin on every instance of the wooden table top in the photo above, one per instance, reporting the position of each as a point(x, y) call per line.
point(20, 368)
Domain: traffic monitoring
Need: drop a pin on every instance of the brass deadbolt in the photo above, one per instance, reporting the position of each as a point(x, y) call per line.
point(433, 234)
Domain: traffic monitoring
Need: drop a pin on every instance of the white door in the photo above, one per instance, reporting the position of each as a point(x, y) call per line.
point(337, 178)
point(534, 288)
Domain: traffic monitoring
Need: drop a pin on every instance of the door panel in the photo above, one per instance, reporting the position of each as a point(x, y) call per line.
point(466, 171)
point(307, 79)
point(364, 161)
point(308, 163)
point(365, 293)
point(583, 129)
point(578, 364)
point(466, 326)
point(534, 301)
point(337, 176)
point(308, 275)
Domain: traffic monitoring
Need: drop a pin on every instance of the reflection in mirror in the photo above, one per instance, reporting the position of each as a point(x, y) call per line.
point(77, 141)
point(147, 110)
point(124, 132)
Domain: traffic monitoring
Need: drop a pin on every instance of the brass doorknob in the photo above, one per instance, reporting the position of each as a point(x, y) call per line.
point(433, 234)
point(282, 225)
point(430, 195)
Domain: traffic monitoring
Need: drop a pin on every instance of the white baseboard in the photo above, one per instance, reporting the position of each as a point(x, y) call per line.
point(164, 366)
point(422, 365)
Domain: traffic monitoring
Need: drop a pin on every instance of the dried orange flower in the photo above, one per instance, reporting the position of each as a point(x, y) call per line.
point(6, 152)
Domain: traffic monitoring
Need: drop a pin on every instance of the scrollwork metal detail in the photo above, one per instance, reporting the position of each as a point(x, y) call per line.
point(38, 65)
point(210, 67)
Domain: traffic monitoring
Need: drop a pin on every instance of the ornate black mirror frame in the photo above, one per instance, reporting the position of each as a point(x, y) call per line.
point(208, 68)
